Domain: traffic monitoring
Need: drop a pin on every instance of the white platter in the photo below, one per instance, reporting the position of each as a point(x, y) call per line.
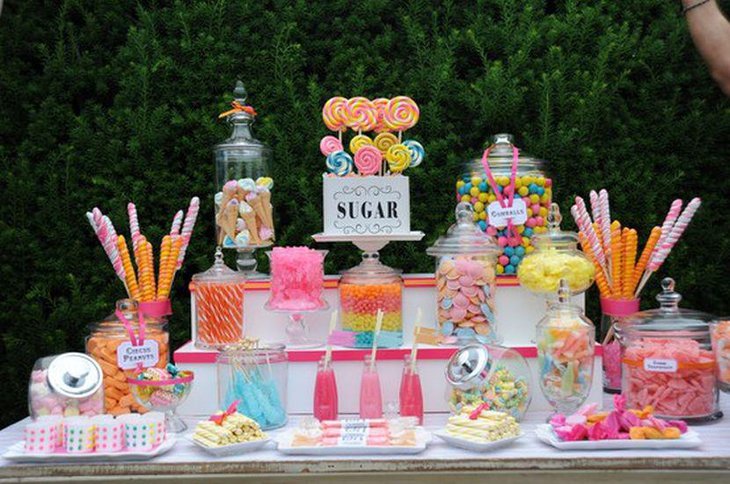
point(423, 438)
point(16, 453)
point(232, 449)
point(688, 440)
point(475, 446)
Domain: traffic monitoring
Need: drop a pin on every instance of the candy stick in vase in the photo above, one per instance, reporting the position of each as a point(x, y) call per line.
point(410, 393)
point(325, 404)
point(371, 399)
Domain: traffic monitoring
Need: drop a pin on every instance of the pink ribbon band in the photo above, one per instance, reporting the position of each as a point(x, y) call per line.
point(218, 419)
point(619, 307)
point(511, 231)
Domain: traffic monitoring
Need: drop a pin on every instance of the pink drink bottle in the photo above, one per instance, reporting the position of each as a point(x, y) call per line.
point(325, 393)
point(371, 399)
point(411, 394)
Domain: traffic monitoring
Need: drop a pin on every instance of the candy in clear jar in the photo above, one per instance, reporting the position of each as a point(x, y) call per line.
point(509, 180)
point(721, 346)
point(466, 280)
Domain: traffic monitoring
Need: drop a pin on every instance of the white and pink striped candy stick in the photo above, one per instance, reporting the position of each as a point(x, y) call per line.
point(176, 223)
point(580, 214)
point(116, 259)
point(668, 224)
point(187, 229)
point(595, 207)
point(605, 223)
point(133, 225)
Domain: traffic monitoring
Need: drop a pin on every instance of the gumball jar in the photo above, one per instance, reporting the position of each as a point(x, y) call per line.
point(529, 185)
point(668, 362)
point(243, 209)
point(364, 289)
point(556, 257)
point(466, 281)
point(488, 376)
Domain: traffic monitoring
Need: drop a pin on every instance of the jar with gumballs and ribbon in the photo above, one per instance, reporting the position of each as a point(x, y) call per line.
point(510, 194)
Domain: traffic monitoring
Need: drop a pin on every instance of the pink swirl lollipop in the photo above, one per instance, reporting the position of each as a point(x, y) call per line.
point(380, 104)
point(368, 160)
point(362, 114)
point(334, 114)
point(330, 144)
point(401, 113)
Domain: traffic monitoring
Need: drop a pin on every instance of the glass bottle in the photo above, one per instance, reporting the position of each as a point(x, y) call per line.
point(325, 392)
point(410, 394)
point(243, 210)
point(371, 398)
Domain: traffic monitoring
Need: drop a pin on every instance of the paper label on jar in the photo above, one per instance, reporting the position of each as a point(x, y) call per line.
point(129, 357)
point(499, 215)
point(660, 365)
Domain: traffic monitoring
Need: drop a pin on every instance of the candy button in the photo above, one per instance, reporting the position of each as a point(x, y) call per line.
point(446, 303)
point(466, 280)
point(460, 301)
point(452, 284)
point(470, 291)
point(458, 314)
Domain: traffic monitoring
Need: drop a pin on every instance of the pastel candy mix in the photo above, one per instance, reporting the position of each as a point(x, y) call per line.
point(537, 192)
point(503, 392)
point(360, 303)
point(44, 401)
point(465, 297)
point(612, 364)
point(690, 391)
point(589, 424)
point(244, 212)
point(721, 346)
point(297, 278)
point(162, 397)
point(488, 426)
point(542, 271)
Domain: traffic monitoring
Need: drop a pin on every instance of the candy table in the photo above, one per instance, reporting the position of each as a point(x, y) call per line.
point(527, 460)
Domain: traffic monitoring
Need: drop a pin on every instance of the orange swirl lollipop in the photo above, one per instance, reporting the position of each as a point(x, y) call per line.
point(361, 114)
point(401, 113)
point(334, 114)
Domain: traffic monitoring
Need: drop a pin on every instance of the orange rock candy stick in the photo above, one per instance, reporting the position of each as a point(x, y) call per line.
point(131, 278)
point(165, 248)
point(220, 312)
point(616, 259)
point(630, 241)
point(164, 284)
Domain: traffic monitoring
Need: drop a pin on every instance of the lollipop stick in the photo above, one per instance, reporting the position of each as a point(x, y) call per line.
point(328, 351)
point(414, 349)
point(378, 325)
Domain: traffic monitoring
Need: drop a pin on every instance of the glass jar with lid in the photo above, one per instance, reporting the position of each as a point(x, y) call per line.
point(721, 346)
point(364, 289)
point(255, 377)
point(68, 385)
point(122, 343)
point(217, 316)
point(466, 280)
point(556, 256)
point(243, 210)
point(667, 360)
point(490, 375)
point(531, 186)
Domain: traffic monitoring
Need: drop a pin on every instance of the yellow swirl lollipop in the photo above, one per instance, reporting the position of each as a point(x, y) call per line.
point(358, 142)
point(398, 158)
point(384, 141)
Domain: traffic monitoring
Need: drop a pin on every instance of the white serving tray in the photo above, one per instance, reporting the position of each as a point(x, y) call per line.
point(475, 446)
point(232, 449)
point(688, 440)
point(17, 453)
point(423, 438)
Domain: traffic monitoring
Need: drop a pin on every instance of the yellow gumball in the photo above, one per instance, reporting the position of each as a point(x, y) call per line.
point(543, 212)
point(503, 180)
point(500, 269)
point(520, 229)
point(483, 197)
point(466, 198)
point(474, 192)
point(479, 207)
point(475, 180)
point(523, 191)
point(492, 198)
point(529, 249)
point(545, 199)
point(518, 182)
point(535, 198)
point(529, 212)
point(540, 181)
point(483, 215)
point(460, 183)
point(475, 217)
point(525, 241)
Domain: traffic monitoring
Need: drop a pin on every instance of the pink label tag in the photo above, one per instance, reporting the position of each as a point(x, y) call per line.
point(129, 357)
point(659, 365)
point(499, 216)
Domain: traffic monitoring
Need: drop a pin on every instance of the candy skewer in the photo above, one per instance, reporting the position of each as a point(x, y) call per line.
point(584, 224)
point(605, 223)
point(328, 349)
point(133, 225)
point(414, 349)
point(376, 333)
point(133, 287)
point(187, 229)
point(176, 223)
point(656, 233)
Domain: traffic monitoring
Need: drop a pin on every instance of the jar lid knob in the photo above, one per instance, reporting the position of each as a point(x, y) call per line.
point(464, 213)
point(239, 93)
point(563, 292)
point(668, 298)
point(218, 256)
point(554, 218)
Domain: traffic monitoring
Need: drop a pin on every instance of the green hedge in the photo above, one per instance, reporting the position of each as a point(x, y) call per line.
point(103, 101)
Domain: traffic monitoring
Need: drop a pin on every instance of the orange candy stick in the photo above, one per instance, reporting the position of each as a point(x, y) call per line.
point(131, 278)
point(149, 255)
point(651, 242)
point(164, 285)
point(630, 241)
point(165, 248)
point(616, 259)
point(601, 281)
point(146, 270)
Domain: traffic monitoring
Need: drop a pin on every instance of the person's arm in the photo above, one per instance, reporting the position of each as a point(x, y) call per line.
point(710, 32)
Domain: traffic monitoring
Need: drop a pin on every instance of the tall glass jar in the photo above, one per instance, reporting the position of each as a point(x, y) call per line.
point(667, 360)
point(613, 312)
point(531, 185)
point(217, 316)
point(243, 210)
point(466, 280)
point(120, 346)
point(364, 289)
point(255, 377)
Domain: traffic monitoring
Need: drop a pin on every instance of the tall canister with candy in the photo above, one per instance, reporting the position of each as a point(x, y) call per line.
point(466, 280)
point(511, 197)
point(667, 360)
point(243, 210)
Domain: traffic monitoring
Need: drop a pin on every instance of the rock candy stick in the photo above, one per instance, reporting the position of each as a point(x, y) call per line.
point(605, 223)
point(601, 281)
point(630, 242)
point(664, 247)
point(583, 221)
point(187, 229)
point(651, 242)
point(133, 225)
point(176, 223)
point(128, 268)
point(165, 249)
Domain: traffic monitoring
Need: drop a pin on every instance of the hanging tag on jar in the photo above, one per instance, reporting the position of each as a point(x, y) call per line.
point(660, 365)
point(500, 216)
point(130, 357)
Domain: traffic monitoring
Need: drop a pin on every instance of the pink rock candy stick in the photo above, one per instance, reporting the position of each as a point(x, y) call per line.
point(297, 278)
point(665, 245)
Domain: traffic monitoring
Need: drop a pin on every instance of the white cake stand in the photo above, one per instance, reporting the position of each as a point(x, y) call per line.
point(370, 243)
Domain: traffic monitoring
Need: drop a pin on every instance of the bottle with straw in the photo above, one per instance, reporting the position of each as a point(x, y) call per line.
point(411, 393)
point(325, 385)
point(371, 399)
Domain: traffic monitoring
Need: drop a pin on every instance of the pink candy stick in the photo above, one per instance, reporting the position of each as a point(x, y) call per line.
point(661, 253)
point(187, 229)
point(669, 221)
point(595, 207)
point(605, 222)
point(176, 223)
point(133, 225)
point(580, 214)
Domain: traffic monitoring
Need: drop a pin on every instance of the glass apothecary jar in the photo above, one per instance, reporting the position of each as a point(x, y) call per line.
point(531, 186)
point(556, 256)
point(668, 362)
point(255, 377)
point(364, 289)
point(243, 210)
point(120, 345)
point(721, 346)
point(68, 385)
point(466, 280)
point(489, 375)
point(217, 317)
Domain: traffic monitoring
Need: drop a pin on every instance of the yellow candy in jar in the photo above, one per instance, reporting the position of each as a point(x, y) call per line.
point(542, 270)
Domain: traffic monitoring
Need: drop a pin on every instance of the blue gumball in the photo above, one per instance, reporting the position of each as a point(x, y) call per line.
point(509, 251)
point(483, 186)
point(527, 233)
point(510, 269)
point(515, 260)
point(520, 251)
point(482, 225)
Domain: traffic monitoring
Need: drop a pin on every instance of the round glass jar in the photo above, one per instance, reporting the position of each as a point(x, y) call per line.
point(466, 280)
point(667, 360)
point(103, 344)
point(68, 385)
point(256, 377)
point(721, 346)
point(556, 256)
point(490, 375)
point(217, 315)
point(531, 185)
point(364, 289)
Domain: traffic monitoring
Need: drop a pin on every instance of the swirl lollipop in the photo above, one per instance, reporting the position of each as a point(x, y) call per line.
point(380, 104)
point(339, 163)
point(401, 113)
point(334, 114)
point(368, 160)
point(398, 158)
point(384, 141)
point(416, 150)
point(330, 144)
point(361, 114)
point(358, 142)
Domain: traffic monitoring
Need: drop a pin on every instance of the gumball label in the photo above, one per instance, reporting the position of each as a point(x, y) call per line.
point(129, 357)
point(660, 365)
point(499, 216)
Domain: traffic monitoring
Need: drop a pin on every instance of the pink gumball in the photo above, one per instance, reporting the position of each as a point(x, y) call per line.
point(515, 241)
point(531, 222)
point(539, 221)
point(535, 209)
point(503, 260)
point(502, 241)
point(492, 230)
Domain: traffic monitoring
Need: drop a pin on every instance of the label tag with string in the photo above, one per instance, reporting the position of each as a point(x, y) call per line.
point(137, 353)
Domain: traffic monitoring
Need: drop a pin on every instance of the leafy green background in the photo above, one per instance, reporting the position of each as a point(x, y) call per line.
point(103, 102)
